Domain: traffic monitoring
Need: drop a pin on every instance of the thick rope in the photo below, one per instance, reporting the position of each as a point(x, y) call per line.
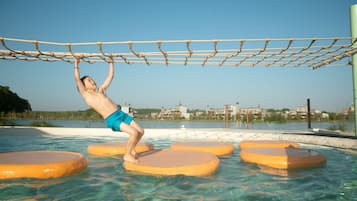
point(289, 52)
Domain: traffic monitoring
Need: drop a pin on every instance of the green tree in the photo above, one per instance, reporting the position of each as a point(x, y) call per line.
point(11, 102)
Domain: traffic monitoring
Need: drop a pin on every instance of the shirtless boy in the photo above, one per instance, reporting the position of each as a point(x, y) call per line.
point(116, 119)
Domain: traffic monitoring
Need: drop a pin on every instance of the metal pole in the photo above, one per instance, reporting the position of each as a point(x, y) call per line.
point(353, 14)
point(308, 114)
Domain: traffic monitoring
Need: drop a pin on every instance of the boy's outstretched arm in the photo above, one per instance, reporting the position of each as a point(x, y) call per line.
point(77, 76)
point(109, 79)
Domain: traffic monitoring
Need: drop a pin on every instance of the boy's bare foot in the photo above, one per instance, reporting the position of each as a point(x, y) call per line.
point(130, 158)
point(134, 154)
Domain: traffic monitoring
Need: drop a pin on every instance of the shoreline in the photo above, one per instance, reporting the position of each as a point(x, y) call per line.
point(216, 134)
point(343, 128)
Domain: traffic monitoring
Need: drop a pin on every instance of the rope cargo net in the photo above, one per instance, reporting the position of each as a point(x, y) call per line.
point(290, 52)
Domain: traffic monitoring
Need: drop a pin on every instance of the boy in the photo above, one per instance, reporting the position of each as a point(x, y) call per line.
point(114, 117)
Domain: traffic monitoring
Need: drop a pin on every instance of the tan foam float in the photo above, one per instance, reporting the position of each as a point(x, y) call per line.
point(40, 164)
point(283, 158)
point(245, 144)
point(175, 162)
point(116, 148)
point(216, 148)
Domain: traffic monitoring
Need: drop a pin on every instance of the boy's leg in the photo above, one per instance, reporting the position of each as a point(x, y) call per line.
point(140, 131)
point(133, 139)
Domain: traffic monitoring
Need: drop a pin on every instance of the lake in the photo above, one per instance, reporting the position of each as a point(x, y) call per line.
point(198, 124)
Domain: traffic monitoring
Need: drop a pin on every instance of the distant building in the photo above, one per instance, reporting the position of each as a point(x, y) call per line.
point(255, 111)
point(174, 113)
point(183, 110)
point(301, 111)
point(345, 111)
point(215, 111)
point(236, 112)
point(325, 115)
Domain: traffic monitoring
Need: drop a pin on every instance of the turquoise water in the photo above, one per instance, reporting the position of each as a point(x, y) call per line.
point(105, 179)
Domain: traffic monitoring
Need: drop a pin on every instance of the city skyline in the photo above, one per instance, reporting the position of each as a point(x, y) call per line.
point(291, 108)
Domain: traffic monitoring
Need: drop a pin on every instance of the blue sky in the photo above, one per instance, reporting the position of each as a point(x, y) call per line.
point(50, 85)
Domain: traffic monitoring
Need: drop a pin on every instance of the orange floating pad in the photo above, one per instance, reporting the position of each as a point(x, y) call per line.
point(116, 148)
point(216, 148)
point(175, 162)
point(40, 164)
point(283, 158)
point(245, 144)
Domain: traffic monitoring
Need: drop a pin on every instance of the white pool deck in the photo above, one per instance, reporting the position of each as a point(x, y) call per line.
point(231, 135)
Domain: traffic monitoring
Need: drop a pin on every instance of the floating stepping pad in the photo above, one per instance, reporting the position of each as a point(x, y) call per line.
point(116, 148)
point(276, 171)
point(40, 164)
point(216, 148)
point(175, 162)
point(283, 158)
point(245, 144)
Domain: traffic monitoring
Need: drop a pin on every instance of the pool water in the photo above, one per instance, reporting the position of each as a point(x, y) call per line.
point(105, 179)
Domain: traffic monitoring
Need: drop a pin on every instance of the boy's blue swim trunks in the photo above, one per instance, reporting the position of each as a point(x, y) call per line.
point(113, 121)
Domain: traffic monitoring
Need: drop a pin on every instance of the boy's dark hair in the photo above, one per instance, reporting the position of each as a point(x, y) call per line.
point(82, 79)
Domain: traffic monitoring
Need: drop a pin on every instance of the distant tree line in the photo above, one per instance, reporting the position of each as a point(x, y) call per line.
point(88, 114)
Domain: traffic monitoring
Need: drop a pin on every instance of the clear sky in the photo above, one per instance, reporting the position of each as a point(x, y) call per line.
point(50, 85)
